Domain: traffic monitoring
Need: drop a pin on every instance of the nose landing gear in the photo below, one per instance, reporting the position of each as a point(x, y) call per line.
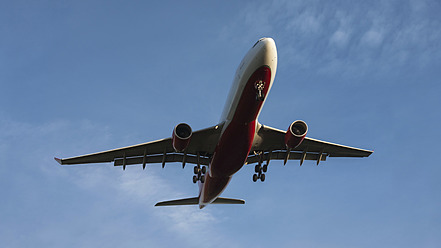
point(259, 85)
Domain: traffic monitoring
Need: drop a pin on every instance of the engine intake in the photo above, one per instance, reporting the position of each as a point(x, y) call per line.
point(295, 134)
point(181, 137)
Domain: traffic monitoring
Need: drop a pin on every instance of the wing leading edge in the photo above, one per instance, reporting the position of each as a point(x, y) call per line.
point(269, 145)
point(202, 144)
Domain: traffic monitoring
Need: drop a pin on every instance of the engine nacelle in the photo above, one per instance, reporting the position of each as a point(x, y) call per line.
point(295, 134)
point(181, 137)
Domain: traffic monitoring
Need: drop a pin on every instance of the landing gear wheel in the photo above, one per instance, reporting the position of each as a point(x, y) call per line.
point(204, 169)
point(196, 170)
point(265, 168)
point(202, 179)
point(257, 168)
point(195, 179)
point(255, 178)
point(262, 177)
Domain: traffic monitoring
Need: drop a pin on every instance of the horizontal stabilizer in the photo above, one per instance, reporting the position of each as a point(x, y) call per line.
point(185, 201)
point(195, 201)
point(221, 200)
point(58, 160)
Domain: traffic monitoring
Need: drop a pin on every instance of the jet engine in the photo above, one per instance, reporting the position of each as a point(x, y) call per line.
point(295, 134)
point(181, 137)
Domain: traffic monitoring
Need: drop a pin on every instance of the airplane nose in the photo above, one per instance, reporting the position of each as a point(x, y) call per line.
point(267, 46)
point(263, 42)
point(268, 43)
point(267, 51)
point(266, 39)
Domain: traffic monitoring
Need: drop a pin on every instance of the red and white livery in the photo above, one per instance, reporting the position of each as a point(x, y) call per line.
point(220, 151)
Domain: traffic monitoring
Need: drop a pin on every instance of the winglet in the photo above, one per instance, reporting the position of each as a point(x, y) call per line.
point(58, 160)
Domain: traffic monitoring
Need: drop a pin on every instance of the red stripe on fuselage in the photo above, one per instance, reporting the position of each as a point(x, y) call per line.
point(235, 143)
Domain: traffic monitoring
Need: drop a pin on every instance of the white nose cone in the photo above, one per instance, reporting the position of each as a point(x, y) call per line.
point(267, 44)
point(267, 41)
point(267, 49)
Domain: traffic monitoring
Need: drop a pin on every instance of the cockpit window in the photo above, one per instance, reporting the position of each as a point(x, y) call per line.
point(258, 42)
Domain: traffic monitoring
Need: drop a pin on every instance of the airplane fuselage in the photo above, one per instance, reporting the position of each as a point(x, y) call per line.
point(252, 83)
point(226, 147)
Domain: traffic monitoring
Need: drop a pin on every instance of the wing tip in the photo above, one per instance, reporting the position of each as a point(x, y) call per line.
point(58, 160)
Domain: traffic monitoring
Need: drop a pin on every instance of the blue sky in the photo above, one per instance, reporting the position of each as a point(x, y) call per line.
point(84, 76)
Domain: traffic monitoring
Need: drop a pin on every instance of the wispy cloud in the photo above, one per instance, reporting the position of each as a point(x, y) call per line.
point(132, 189)
point(371, 37)
point(339, 38)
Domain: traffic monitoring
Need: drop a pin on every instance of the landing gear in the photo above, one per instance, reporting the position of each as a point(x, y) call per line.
point(260, 86)
point(199, 174)
point(260, 170)
point(255, 177)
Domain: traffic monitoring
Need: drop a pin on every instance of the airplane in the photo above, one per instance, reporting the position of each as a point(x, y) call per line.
point(218, 152)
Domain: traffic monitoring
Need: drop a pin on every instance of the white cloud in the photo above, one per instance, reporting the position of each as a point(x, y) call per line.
point(362, 38)
point(340, 38)
point(146, 188)
point(133, 189)
point(372, 38)
point(307, 22)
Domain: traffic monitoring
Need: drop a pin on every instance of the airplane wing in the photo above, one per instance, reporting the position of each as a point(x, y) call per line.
point(269, 145)
point(202, 145)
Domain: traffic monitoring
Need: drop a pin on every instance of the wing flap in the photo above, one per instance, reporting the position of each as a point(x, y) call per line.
point(169, 158)
point(271, 141)
point(281, 155)
point(153, 147)
point(334, 150)
point(203, 142)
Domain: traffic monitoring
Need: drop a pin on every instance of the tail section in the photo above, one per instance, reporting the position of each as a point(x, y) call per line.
point(180, 202)
point(221, 200)
point(195, 201)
